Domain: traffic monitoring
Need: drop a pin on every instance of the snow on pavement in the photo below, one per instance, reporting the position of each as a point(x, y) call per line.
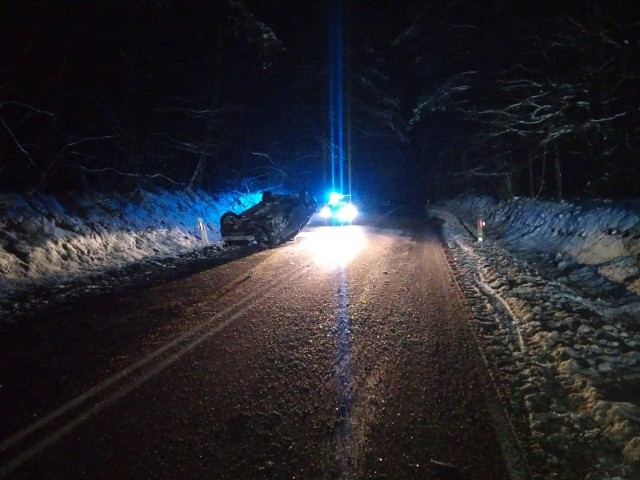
point(560, 325)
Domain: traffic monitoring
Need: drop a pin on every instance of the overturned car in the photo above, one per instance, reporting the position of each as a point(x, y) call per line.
point(274, 220)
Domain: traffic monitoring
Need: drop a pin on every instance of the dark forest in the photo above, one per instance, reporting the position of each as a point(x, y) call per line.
point(511, 98)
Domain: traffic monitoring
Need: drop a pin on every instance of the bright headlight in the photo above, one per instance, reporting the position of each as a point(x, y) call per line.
point(347, 213)
point(325, 212)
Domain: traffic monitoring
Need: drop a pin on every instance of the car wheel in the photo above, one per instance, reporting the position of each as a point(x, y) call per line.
point(228, 218)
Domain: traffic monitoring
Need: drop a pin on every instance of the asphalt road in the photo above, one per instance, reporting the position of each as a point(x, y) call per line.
point(343, 354)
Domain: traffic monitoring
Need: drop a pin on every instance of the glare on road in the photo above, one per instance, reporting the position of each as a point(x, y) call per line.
point(332, 247)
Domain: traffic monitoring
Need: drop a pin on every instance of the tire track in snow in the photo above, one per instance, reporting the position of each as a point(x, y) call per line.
point(507, 434)
point(486, 288)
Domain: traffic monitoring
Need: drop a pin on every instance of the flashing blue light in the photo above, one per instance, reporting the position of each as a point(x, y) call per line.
point(336, 94)
point(335, 198)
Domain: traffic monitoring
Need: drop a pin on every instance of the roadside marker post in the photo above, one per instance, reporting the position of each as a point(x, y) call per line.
point(203, 231)
point(480, 226)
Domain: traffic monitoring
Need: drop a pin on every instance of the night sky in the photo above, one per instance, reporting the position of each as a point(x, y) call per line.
point(440, 97)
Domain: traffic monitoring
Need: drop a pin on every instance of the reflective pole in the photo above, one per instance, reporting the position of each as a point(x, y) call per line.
point(203, 231)
point(480, 228)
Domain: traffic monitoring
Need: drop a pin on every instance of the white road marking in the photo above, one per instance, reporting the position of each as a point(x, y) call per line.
point(91, 411)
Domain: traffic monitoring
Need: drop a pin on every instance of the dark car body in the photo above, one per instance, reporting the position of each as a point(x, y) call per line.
point(277, 218)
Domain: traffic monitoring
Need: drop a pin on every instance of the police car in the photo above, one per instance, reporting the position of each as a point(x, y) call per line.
point(339, 209)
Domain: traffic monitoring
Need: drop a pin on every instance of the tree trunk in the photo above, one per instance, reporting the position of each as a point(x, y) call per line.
point(50, 160)
point(199, 172)
point(558, 170)
point(531, 179)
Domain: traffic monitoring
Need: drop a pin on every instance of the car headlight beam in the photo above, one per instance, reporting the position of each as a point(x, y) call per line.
point(325, 212)
point(347, 213)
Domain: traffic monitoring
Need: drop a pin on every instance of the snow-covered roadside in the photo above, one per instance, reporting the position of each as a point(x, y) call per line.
point(48, 240)
point(563, 341)
point(553, 289)
point(600, 235)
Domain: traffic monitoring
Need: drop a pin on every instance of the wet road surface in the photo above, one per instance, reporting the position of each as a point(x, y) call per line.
point(344, 354)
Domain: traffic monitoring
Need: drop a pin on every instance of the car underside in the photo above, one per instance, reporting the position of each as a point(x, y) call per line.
point(276, 219)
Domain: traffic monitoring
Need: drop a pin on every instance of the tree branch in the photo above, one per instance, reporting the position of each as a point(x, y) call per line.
point(17, 142)
point(126, 174)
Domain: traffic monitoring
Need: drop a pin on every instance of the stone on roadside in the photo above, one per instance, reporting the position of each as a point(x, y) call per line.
point(632, 456)
point(569, 367)
point(605, 367)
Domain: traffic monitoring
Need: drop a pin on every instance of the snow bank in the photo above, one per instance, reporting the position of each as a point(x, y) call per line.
point(45, 238)
point(563, 341)
point(600, 234)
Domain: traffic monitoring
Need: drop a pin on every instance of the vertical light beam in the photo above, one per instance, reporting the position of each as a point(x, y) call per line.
point(336, 94)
